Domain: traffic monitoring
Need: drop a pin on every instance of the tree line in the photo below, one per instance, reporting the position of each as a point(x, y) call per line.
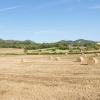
point(63, 45)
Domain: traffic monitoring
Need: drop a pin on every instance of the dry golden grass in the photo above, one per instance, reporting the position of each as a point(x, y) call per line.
point(11, 51)
point(38, 78)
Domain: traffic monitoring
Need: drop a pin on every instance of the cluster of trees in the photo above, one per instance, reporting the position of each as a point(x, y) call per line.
point(63, 45)
point(27, 44)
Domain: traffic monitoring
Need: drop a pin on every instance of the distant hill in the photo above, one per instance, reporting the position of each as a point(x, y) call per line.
point(28, 44)
point(79, 41)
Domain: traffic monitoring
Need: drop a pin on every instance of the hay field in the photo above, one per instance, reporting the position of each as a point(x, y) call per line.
point(4, 51)
point(38, 78)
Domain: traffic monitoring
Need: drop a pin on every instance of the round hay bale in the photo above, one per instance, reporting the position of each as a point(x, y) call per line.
point(80, 59)
point(92, 60)
point(57, 58)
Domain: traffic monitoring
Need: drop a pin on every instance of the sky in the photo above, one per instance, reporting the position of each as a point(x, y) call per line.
point(50, 20)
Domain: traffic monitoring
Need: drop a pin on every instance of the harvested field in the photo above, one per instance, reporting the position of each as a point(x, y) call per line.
point(4, 51)
point(39, 78)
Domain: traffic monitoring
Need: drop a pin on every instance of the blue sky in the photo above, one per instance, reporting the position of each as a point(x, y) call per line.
point(50, 20)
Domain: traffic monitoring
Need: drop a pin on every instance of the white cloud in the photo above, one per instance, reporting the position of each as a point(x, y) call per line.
point(8, 8)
